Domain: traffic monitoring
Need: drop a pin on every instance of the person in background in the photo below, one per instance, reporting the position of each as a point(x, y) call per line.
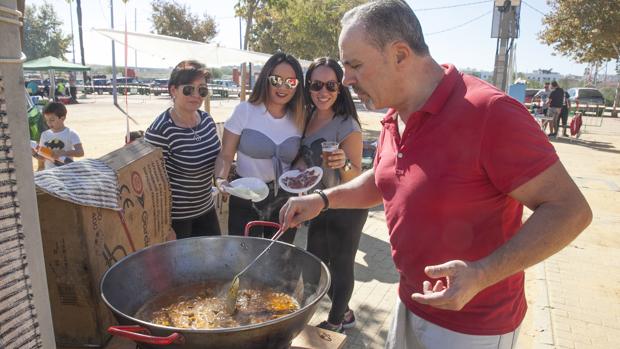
point(72, 88)
point(264, 134)
point(189, 141)
point(61, 140)
point(542, 97)
point(564, 114)
point(60, 89)
point(453, 174)
point(556, 102)
point(33, 88)
point(332, 117)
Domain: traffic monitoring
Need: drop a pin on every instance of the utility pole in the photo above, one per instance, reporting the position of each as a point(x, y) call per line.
point(505, 28)
point(114, 97)
point(72, 36)
point(81, 37)
point(135, 28)
point(240, 39)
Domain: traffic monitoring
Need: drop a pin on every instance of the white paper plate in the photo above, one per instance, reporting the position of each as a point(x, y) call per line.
point(248, 188)
point(295, 173)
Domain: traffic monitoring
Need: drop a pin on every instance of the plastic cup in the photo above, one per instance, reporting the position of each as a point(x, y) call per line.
point(328, 148)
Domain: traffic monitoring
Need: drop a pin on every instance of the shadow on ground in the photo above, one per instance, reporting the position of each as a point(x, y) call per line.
point(377, 253)
point(596, 145)
point(367, 316)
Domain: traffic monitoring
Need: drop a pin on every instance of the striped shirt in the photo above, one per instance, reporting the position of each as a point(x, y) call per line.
point(189, 154)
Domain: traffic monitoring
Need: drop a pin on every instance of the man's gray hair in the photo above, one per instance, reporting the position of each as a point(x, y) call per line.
point(386, 21)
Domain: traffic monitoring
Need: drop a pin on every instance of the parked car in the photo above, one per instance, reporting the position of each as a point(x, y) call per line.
point(99, 86)
point(126, 80)
point(586, 96)
point(159, 86)
point(529, 94)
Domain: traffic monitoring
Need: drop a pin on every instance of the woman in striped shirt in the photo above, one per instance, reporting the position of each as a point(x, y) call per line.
point(190, 146)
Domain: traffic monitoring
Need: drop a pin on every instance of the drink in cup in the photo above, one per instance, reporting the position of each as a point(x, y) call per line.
point(328, 148)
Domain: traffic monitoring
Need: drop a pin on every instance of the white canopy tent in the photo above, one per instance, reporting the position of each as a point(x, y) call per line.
point(175, 50)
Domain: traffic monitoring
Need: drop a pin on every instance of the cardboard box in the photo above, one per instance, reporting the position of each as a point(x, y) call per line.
point(80, 243)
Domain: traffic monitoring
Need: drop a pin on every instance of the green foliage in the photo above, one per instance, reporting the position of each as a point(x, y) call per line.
point(587, 31)
point(42, 33)
point(306, 29)
point(216, 73)
point(609, 94)
point(173, 19)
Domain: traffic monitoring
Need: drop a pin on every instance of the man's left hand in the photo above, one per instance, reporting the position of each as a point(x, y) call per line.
point(464, 281)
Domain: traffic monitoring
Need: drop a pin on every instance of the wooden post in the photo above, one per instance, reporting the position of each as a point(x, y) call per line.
point(243, 81)
point(206, 105)
point(18, 129)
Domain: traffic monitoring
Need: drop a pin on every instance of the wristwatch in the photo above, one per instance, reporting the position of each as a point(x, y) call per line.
point(347, 165)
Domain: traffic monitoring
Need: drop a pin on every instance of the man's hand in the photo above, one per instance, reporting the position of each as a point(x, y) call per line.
point(464, 281)
point(300, 209)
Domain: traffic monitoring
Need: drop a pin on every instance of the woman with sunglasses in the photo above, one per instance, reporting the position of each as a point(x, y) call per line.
point(332, 117)
point(190, 145)
point(264, 133)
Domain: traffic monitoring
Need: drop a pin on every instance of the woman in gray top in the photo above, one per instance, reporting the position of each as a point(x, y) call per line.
point(332, 117)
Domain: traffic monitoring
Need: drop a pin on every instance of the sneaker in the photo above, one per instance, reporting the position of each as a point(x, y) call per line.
point(348, 321)
point(331, 327)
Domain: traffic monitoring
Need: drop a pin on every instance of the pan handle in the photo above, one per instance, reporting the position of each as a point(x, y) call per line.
point(252, 224)
point(142, 335)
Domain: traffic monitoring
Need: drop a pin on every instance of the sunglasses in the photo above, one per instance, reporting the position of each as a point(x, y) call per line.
point(331, 85)
point(277, 82)
point(188, 90)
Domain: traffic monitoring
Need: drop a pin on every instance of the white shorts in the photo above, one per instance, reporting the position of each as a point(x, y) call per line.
point(409, 331)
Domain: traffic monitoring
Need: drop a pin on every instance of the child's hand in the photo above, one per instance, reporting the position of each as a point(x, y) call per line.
point(59, 153)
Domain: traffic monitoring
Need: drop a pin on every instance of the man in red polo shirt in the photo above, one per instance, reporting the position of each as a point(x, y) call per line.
point(456, 162)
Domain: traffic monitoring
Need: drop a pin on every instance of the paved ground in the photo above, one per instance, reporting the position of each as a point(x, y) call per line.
point(573, 296)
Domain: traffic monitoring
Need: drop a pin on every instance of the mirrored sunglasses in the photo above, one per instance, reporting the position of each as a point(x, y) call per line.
point(188, 90)
point(331, 85)
point(277, 82)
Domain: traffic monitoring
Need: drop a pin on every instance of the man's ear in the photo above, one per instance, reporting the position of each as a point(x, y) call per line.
point(401, 50)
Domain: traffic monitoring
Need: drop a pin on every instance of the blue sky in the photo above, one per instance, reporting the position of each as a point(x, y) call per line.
point(469, 46)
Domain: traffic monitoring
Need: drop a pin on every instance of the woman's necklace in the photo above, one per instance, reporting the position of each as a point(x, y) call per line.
point(194, 128)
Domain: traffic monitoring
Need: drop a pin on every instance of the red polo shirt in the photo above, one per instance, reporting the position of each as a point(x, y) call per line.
point(445, 188)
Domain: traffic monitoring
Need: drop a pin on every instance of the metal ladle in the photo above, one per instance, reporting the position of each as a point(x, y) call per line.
point(233, 291)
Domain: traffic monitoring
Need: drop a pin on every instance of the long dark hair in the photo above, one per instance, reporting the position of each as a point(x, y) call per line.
point(260, 92)
point(344, 105)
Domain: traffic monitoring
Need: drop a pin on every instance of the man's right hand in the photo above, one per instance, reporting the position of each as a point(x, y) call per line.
point(300, 209)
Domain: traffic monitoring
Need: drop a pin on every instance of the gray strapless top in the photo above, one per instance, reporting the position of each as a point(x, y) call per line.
point(257, 145)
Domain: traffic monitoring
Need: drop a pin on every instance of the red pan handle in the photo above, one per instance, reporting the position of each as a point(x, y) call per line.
point(142, 335)
point(252, 224)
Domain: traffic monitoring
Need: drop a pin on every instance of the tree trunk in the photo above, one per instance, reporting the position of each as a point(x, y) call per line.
point(79, 18)
point(249, 16)
point(614, 111)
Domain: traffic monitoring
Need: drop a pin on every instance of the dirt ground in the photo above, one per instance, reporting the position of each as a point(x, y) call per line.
point(592, 161)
